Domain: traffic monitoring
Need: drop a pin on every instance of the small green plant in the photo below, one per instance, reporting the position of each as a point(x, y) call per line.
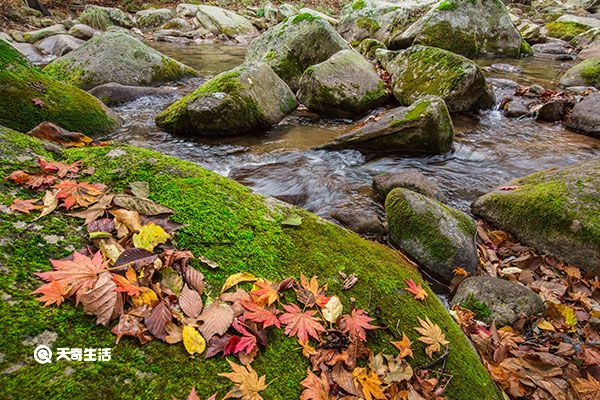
point(95, 18)
point(480, 309)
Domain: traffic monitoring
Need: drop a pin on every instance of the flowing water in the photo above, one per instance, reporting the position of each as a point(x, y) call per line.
point(488, 150)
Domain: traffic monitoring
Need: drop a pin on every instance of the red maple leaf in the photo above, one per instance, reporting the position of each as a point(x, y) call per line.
point(266, 294)
point(24, 206)
point(356, 324)
point(416, 289)
point(82, 194)
point(301, 323)
point(258, 314)
point(61, 169)
point(32, 181)
point(237, 344)
point(53, 293)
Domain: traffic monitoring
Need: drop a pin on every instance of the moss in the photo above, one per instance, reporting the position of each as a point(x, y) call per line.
point(304, 17)
point(64, 71)
point(565, 30)
point(526, 49)
point(215, 210)
point(590, 71)
point(96, 18)
point(171, 70)
point(447, 5)
point(444, 36)
point(482, 312)
point(369, 24)
point(64, 105)
point(413, 114)
point(358, 4)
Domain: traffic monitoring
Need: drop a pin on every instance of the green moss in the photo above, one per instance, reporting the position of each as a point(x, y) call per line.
point(526, 49)
point(64, 105)
point(447, 5)
point(414, 113)
point(444, 36)
point(565, 30)
point(96, 18)
point(171, 70)
point(215, 210)
point(590, 71)
point(358, 4)
point(304, 17)
point(482, 312)
point(369, 24)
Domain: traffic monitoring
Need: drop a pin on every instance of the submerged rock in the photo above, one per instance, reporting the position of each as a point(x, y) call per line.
point(411, 179)
point(246, 99)
point(116, 57)
point(113, 94)
point(556, 211)
point(423, 128)
point(423, 70)
point(585, 116)
point(29, 97)
point(294, 45)
point(497, 299)
point(345, 85)
point(439, 238)
point(218, 20)
point(586, 73)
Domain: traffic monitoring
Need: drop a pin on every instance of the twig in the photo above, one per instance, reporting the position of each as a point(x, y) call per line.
point(440, 358)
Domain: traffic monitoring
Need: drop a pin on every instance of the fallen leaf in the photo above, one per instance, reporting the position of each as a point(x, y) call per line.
point(258, 314)
point(140, 189)
point(59, 168)
point(81, 194)
point(264, 293)
point(53, 293)
point(216, 319)
point(150, 236)
point(416, 289)
point(301, 323)
point(50, 203)
point(369, 384)
point(235, 279)
point(95, 211)
point(315, 388)
point(333, 309)
point(157, 320)
point(32, 181)
point(193, 341)
point(136, 258)
point(54, 133)
point(432, 335)
point(292, 220)
point(130, 325)
point(128, 283)
point(140, 205)
point(190, 302)
point(25, 206)
point(587, 389)
point(356, 324)
point(247, 383)
point(404, 346)
point(310, 293)
point(101, 300)
point(130, 219)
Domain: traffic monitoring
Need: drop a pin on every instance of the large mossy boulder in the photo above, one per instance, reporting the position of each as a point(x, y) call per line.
point(439, 238)
point(346, 85)
point(218, 20)
point(246, 99)
point(153, 17)
point(586, 73)
point(473, 28)
point(423, 128)
point(29, 97)
point(294, 45)
point(556, 211)
point(116, 57)
point(213, 210)
point(423, 70)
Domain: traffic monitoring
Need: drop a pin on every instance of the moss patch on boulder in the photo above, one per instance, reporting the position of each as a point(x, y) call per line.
point(565, 30)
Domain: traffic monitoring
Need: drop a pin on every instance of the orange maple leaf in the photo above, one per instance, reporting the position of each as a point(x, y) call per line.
point(82, 194)
point(404, 346)
point(53, 293)
point(416, 289)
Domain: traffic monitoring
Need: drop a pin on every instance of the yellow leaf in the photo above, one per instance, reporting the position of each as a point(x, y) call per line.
point(150, 236)
point(545, 325)
point(404, 346)
point(247, 383)
point(193, 340)
point(562, 315)
point(237, 278)
point(369, 383)
point(148, 297)
point(333, 309)
point(432, 335)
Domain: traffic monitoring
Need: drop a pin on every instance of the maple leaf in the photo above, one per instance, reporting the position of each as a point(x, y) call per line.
point(130, 325)
point(460, 272)
point(53, 293)
point(128, 283)
point(247, 383)
point(237, 344)
point(81, 194)
point(24, 206)
point(50, 203)
point(416, 289)
point(31, 181)
point(356, 324)
point(310, 294)
point(77, 274)
point(301, 324)
point(307, 350)
point(258, 314)
point(264, 293)
point(432, 335)
point(587, 389)
point(315, 388)
point(369, 384)
point(404, 346)
point(59, 168)
point(150, 236)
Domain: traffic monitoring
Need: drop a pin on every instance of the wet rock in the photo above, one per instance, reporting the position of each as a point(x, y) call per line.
point(507, 68)
point(179, 24)
point(6, 37)
point(531, 33)
point(153, 17)
point(30, 52)
point(497, 299)
point(502, 87)
point(294, 45)
point(439, 238)
point(589, 52)
point(218, 20)
point(585, 116)
point(516, 108)
point(423, 128)
point(552, 48)
point(102, 17)
point(411, 179)
point(116, 57)
point(467, 27)
point(586, 73)
point(246, 99)
point(555, 211)
point(345, 85)
point(36, 36)
point(59, 45)
point(365, 222)
point(113, 94)
point(568, 27)
point(554, 110)
point(424, 70)
point(83, 31)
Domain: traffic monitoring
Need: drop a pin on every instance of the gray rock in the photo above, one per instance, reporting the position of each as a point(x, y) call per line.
point(505, 301)
point(116, 57)
point(585, 116)
point(554, 110)
point(246, 99)
point(516, 108)
point(36, 36)
point(31, 52)
point(179, 24)
point(531, 33)
point(588, 5)
point(294, 45)
point(59, 45)
point(365, 222)
point(113, 94)
point(318, 14)
point(345, 85)
point(6, 37)
point(186, 10)
point(83, 31)
point(102, 17)
point(423, 128)
point(423, 70)
point(368, 47)
point(46, 338)
point(218, 20)
point(586, 73)
point(587, 21)
point(506, 68)
point(153, 17)
point(411, 179)
point(439, 238)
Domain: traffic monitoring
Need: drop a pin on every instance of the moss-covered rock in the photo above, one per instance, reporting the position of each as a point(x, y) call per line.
point(368, 47)
point(29, 97)
point(36, 36)
point(116, 57)
point(422, 70)
point(556, 211)
point(294, 45)
point(473, 28)
point(246, 99)
point(345, 85)
point(102, 17)
point(153, 17)
point(565, 30)
point(220, 21)
point(439, 238)
point(229, 224)
point(423, 128)
point(586, 73)
point(585, 117)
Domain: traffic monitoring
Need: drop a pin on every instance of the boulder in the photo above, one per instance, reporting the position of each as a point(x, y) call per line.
point(102, 17)
point(116, 57)
point(473, 28)
point(531, 33)
point(437, 237)
point(556, 211)
point(218, 20)
point(180, 24)
point(82, 31)
point(113, 94)
point(31, 53)
point(423, 128)
point(553, 110)
point(568, 27)
point(186, 10)
point(318, 14)
point(246, 99)
point(345, 85)
point(585, 116)
point(586, 73)
point(294, 45)
point(361, 220)
point(411, 179)
point(153, 17)
point(423, 70)
point(592, 6)
point(36, 36)
point(381, 20)
point(29, 97)
point(368, 47)
point(59, 45)
point(492, 298)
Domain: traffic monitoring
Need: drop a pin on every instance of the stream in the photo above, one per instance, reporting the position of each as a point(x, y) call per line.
point(489, 149)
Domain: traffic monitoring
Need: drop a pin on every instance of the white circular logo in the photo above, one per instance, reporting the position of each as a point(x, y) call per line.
point(42, 354)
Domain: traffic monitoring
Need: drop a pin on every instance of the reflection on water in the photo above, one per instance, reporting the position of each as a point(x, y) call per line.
point(536, 70)
point(489, 149)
